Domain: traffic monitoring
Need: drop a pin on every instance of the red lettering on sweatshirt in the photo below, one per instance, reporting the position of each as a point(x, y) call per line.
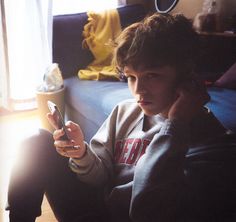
point(125, 150)
point(134, 151)
point(130, 150)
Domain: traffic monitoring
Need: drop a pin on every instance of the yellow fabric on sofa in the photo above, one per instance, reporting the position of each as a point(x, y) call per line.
point(98, 32)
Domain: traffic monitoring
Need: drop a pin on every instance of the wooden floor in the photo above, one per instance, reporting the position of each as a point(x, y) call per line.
point(13, 128)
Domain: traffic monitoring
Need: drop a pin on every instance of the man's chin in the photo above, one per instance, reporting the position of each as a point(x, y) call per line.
point(149, 112)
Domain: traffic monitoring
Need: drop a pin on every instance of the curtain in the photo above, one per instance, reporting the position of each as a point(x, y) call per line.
point(121, 2)
point(26, 40)
point(3, 57)
point(26, 46)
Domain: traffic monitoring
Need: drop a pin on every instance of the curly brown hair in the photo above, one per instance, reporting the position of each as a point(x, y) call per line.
point(158, 40)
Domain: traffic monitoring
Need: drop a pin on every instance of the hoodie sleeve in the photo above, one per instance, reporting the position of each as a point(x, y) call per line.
point(96, 166)
point(158, 177)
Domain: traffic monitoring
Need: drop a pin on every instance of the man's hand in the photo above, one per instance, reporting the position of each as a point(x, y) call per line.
point(75, 147)
point(190, 101)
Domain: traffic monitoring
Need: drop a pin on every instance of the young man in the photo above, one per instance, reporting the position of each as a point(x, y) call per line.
point(137, 166)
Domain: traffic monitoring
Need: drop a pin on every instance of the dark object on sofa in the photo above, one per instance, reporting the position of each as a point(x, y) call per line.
point(211, 178)
point(228, 79)
point(90, 102)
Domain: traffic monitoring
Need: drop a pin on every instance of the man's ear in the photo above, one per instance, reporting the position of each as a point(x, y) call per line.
point(191, 84)
point(188, 81)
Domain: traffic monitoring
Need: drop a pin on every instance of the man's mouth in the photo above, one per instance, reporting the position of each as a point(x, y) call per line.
point(142, 102)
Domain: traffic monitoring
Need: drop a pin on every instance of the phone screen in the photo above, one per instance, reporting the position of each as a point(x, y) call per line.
point(58, 118)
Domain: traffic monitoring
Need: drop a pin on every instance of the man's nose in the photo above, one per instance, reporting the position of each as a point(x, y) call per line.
point(141, 87)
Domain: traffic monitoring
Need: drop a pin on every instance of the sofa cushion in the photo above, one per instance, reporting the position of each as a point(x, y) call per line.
point(223, 105)
point(94, 99)
point(67, 43)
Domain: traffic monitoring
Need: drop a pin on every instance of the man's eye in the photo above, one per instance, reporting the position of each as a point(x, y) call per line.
point(130, 78)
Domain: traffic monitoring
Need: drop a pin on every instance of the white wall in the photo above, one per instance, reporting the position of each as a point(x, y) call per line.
point(188, 7)
point(191, 7)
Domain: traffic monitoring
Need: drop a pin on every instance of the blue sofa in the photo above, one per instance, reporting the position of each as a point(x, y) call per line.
point(90, 102)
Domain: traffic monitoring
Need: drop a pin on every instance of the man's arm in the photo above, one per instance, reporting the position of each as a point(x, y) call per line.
point(96, 165)
point(159, 175)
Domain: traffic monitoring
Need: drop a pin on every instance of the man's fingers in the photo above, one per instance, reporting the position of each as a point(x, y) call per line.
point(58, 133)
point(71, 125)
point(69, 151)
point(64, 143)
point(51, 120)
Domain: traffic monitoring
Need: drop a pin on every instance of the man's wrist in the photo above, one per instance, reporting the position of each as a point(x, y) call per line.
point(175, 127)
point(83, 154)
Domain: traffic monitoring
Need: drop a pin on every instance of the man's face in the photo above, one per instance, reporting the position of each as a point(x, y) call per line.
point(154, 89)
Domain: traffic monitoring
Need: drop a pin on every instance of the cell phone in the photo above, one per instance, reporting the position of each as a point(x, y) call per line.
point(59, 120)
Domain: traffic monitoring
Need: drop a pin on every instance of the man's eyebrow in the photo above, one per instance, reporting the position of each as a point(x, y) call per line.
point(154, 71)
point(127, 71)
